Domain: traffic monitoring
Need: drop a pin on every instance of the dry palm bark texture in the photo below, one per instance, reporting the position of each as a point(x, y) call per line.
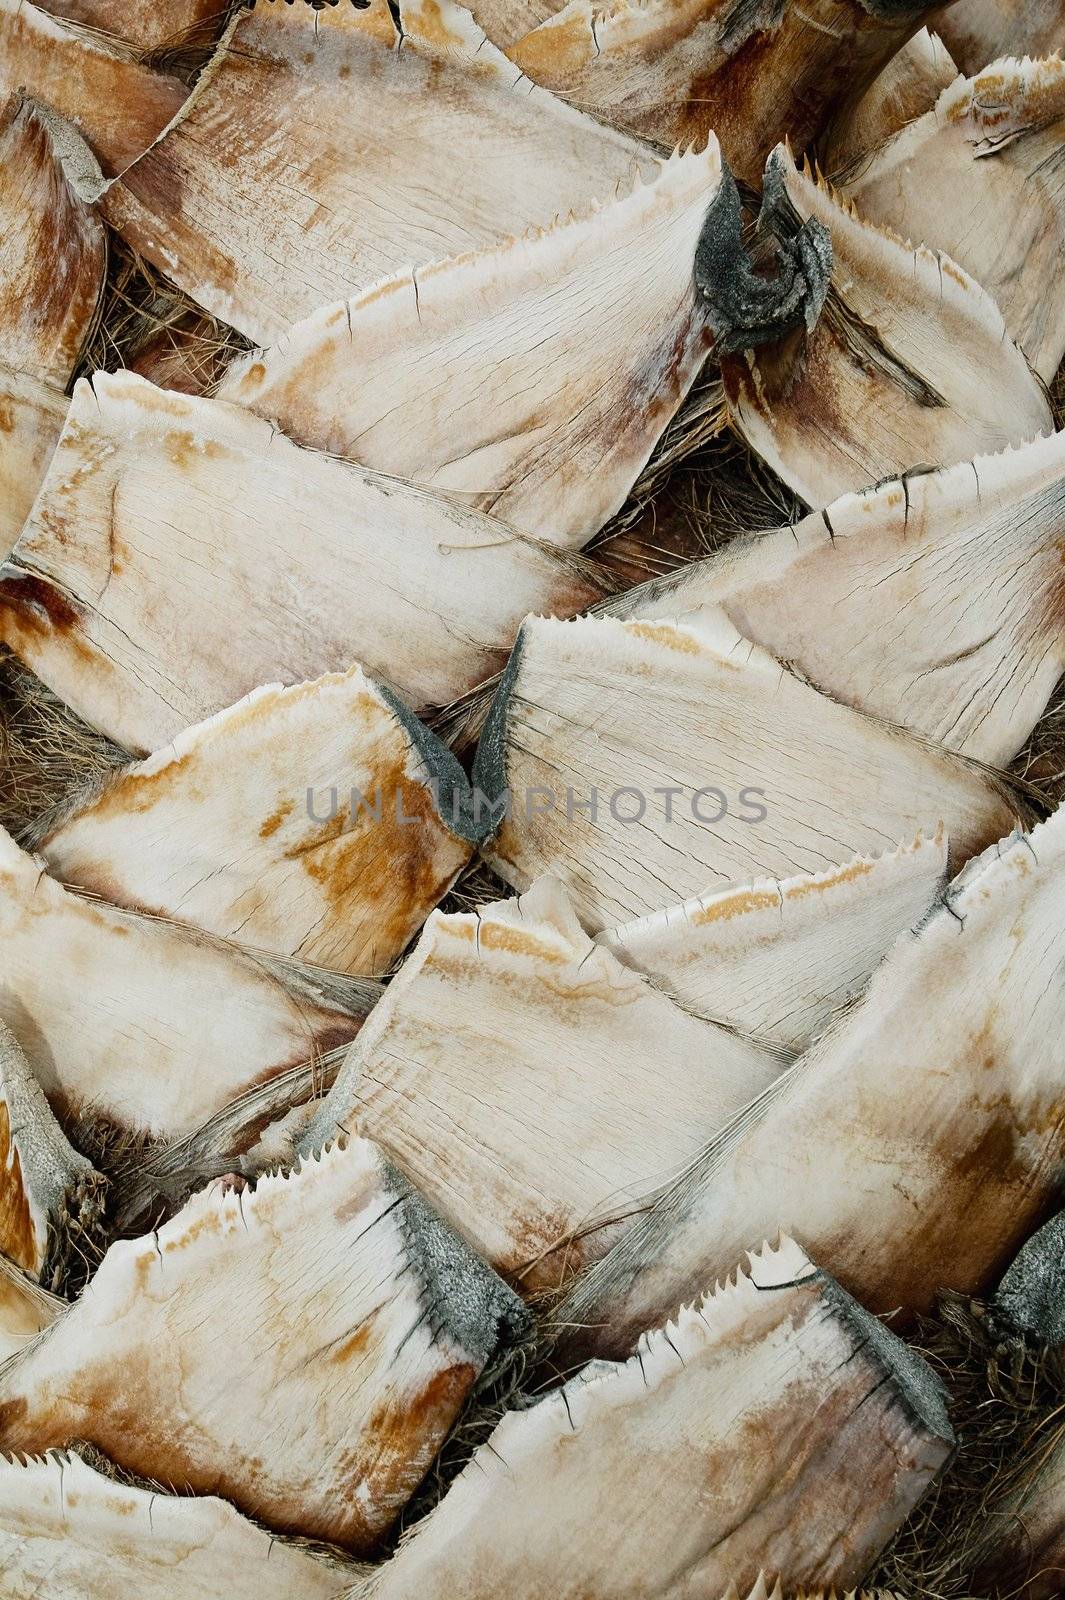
point(532, 842)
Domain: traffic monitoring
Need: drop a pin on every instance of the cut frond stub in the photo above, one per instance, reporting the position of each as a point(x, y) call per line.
point(362, 1325)
point(182, 552)
point(979, 177)
point(141, 1024)
point(671, 70)
point(934, 601)
point(775, 960)
point(55, 252)
point(51, 1200)
point(984, 30)
point(915, 1146)
point(322, 821)
point(148, 26)
point(577, 1086)
point(67, 1529)
point(31, 419)
point(909, 364)
point(744, 1434)
point(908, 86)
point(533, 378)
point(118, 105)
point(255, 204)
point(648, 763)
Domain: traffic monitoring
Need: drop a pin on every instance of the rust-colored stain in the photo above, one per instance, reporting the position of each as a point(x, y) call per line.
point(132, 1412)
point(380, 878)
point(38, 604)
point(949, 270)
point(847, 874)
point(18, 1236)
point(7, 414)
point(53, 313)
point(736, 905)
point(405, 1439)
point(271, 824)
point(120, 105)
point(207, 1225)
point(354, 1345)
point(183, 449)
point(428, 25)
point(669, 637)
point(551, 54)
point(515, 941)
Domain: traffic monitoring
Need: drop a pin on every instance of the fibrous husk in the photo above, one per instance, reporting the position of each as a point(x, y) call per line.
point(118, 106)
point(979, 176)
point(146, 1024)
point(775, 960)
point(146, 25)
point(934, 600)
point(914, 1147)
point(908, 86)
point(55, 253)
point(182, 552)
point(670, 70)
point(746, 1433)
point(909, 363)
point(361, 1324)
point(577, 1087)
point(300, 175)
point(51, 1200)
point(980, 31)
point(769, 777)
point(31, 419)
point(1030, 1300)
point(68, 1529)
point(321, 821)
point(189, 352)
point(1026, 1533)
point(534, 377)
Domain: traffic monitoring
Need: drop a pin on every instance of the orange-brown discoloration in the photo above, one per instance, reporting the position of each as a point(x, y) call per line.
point(268, 828)
point(360, 1393)
point(408, 1437)
point(391, 871)
point(18, 1235)
point(182, 448)
point(119, 105)
point(735, 905)
point(671, 638)
point(427, 23)
point(828, 881)
point(505, 936)
point(142, 23)
point(54, 253)
point(347, 891)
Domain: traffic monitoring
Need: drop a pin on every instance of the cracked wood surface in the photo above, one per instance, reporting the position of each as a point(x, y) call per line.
point(913, 1149)
point(532, 378)
point(770, 778)
point(534, 1088)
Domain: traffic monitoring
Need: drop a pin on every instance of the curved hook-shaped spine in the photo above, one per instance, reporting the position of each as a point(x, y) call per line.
point(748, 308)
